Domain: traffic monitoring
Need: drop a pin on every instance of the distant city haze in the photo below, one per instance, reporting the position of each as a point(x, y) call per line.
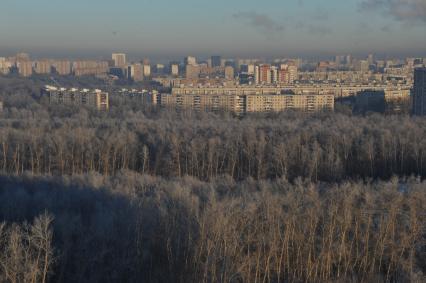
point(170, 28)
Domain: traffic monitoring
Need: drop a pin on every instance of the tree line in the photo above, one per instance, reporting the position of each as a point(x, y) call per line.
point(141, 228)
point(324, 147)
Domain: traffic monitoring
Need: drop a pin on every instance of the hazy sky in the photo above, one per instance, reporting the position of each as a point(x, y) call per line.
point(205, 27)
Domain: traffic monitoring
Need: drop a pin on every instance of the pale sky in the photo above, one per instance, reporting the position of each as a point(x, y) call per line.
point(155, 28)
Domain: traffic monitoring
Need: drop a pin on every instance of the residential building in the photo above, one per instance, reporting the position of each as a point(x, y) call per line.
point(248, 103)
point(192, 71)
point(190, 60)
point(25, 68)
point(265, 74)
point(22, 57)
point(5, 66)
point(146, 70)
point(119, 60)
point(73, 96)
point(61, 67)
point(229, 73)
point(90, 67)
point(216, 61)
point(419, 92)
point(247, 69)
point(174, 69)
point(363, 66)
point(135, 72)
point(43, 67)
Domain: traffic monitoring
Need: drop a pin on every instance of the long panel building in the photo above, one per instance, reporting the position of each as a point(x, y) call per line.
point(249, 103)
point(73, 96)
point(322, 89)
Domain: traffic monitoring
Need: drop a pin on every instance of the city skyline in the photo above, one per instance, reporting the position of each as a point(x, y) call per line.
point(171, 29)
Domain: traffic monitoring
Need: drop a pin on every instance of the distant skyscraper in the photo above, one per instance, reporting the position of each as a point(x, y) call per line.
point(62, 67)
point(216, 61)
point(146, 70)
point(5, 66)
point(189, 60)
point(119, 60)
point(363, 66)
point(419, 92)
point(287, 74)
point(274, 74)
point(174, 69)
point(43, 67)
point(293, 74)
point(348, 59)
point(265, 74)
point(380, 64)
point(159, 69)
point(22, 57)
point(256, 75)
point(338, 60)
point(247, 69)
point(25, 68)
point(136, 72)
point(229, 73)
point(371, 59)
point(89, 67)
point(192, 71)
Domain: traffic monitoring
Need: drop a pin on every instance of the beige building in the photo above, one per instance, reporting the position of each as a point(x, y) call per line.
point(25, 68)
point(89, 67)
point(232, 103)
point(136, 72)
point(229, 73)
point(93, 98)
point(43, 66)
point(322, 89)
point(174, 70)
point(277, 103)
point(190, 60)
point(192, 71)
point(119, 60)
point(22, 57)
point(146, 70)
point(62, 67)
point(5, 66)
point(247, 103)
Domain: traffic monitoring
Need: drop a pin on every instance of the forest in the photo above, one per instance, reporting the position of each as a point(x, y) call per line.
point(141, 194)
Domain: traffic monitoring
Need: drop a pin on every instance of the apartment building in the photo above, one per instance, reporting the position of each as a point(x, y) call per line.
point(248, 103)
point(73, 96)
point(119, 60)
point(89, 67)
point(61, 67)
point(43, 66)
point(419, 92)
